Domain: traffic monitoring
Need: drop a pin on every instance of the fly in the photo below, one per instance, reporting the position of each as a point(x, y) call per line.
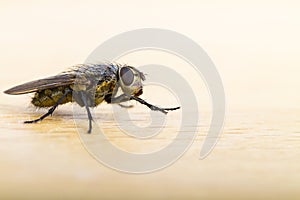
point(87, 85)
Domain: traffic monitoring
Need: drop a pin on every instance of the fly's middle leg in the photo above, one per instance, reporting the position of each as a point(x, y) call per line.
point(84, 100)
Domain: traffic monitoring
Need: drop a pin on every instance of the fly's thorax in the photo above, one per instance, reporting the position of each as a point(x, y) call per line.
point(104, 89)
point(81, 83)
point(130, 80)
point(48, 97)
point(96, 81)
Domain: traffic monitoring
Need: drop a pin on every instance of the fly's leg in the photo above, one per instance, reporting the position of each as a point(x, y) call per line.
point(125, 106)
point(84, 100)
point(124, 97)
point(152, 107)
point(119, 100)
point(51, 110)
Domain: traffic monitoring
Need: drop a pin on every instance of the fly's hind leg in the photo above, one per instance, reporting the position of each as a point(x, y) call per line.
point(51, 110)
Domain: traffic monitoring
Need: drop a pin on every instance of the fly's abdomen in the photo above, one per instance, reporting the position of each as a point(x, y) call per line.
point(48, 97)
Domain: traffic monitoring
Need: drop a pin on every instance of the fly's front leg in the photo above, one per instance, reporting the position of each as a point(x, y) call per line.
point(125, 106)
point(124, 97)
point(152, 107)
point(119, 100)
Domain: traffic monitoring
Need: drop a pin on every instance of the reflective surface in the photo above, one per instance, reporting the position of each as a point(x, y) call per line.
point(256, 157)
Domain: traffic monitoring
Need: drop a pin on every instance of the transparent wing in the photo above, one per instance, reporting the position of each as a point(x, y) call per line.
point(41, 84)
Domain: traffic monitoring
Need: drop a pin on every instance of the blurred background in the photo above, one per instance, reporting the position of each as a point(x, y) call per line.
point(255, 46)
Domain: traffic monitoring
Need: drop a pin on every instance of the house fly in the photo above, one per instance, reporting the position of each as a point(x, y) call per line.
point(87, 85)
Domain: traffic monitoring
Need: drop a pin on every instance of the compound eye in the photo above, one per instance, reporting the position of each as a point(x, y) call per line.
point(127, 75)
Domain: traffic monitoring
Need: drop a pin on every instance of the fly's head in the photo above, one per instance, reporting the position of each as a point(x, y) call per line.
point(131, 80)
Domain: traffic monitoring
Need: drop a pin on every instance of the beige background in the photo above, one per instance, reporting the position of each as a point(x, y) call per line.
point(255, 46)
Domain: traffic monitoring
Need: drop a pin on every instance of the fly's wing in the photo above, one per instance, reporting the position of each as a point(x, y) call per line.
point(83, 75)
point(42, 84)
